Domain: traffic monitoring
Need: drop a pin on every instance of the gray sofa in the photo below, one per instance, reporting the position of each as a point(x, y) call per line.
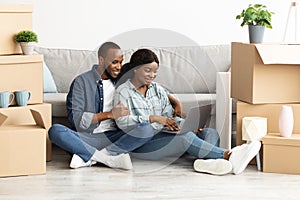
point(189, 73)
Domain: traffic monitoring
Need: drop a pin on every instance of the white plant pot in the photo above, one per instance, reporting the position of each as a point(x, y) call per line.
point(286, 121)
point(27, 47)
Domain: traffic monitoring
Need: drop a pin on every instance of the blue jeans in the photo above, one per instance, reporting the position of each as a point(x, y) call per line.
point(85, 144)
point(204, 145)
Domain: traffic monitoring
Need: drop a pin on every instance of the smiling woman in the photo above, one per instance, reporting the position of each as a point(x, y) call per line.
point(148, 103)
point(142, 69)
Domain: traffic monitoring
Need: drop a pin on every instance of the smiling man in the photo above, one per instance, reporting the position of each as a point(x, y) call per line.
point(94, 136)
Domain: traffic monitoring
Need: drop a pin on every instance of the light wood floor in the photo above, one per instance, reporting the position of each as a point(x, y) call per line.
point(149, 180)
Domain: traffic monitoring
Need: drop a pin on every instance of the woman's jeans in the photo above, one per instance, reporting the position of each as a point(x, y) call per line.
point(203, 145)
point(85, 144)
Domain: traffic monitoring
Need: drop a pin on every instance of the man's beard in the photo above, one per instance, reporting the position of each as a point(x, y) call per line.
point(109, 76)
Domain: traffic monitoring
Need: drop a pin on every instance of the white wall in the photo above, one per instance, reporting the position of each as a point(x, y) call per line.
point(85, 24)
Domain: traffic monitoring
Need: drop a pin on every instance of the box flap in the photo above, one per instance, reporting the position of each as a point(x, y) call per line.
point(2, 118)
point(38, 118)
point(279, 53)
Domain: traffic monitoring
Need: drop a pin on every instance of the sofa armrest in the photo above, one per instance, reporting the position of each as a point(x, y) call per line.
point(224, 109)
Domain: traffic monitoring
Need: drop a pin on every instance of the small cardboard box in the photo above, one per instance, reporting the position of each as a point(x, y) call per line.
point(265, 73)
point(22, 72)
point(13, 18)
point(21, 115)
point(281, 155)
point(22, 147)
point(270, 111)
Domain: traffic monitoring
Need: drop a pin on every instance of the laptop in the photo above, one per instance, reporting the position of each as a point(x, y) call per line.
point(195, 119)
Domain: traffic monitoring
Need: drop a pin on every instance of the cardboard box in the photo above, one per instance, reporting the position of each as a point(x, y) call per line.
point(13, 18)
point(22, 116)
point(281, 155)
point(22, 147)
point(22, 72)
point(265, 73)
point(270, 111)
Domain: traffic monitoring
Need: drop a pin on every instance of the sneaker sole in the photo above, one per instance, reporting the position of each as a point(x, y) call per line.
point(213, 166)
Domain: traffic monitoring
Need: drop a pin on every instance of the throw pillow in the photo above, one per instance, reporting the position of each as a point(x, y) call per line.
point(49, 84)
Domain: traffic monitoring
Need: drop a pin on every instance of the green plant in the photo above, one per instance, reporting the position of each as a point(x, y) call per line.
point(26, 36)
point(256, 14)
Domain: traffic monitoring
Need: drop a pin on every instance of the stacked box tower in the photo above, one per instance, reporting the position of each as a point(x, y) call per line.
point(22, 152)
point(264, 77)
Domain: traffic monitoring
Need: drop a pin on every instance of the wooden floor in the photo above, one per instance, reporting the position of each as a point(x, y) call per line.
point(148, 180)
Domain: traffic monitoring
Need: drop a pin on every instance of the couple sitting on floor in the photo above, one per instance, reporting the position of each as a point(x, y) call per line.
point(110, 122)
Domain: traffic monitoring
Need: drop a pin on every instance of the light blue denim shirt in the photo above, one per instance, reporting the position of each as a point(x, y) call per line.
point(156, 102)
point(82, 100)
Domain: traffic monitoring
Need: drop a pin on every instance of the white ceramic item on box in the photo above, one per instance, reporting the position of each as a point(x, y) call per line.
point(286, 121)
point(254, 128)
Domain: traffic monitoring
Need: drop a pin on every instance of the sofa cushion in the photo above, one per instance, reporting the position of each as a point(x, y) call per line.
point(58, 101)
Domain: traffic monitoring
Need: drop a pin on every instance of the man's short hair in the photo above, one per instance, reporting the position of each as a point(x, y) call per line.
point(103, 49)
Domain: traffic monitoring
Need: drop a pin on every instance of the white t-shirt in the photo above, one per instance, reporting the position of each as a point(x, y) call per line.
point(109, 124)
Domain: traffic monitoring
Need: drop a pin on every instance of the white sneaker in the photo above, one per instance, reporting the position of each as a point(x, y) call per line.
point(77, 162)
point(213, 166)
point(121, 161)
point(241, 156)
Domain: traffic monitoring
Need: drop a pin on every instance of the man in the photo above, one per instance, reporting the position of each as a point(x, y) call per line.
point(95, 137)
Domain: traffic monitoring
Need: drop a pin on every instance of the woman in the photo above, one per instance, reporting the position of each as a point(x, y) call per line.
point(148, 103)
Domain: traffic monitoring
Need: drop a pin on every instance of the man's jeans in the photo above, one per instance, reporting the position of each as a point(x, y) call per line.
point(85, 144)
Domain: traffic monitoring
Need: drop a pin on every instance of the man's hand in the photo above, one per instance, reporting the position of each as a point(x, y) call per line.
point(119, 111)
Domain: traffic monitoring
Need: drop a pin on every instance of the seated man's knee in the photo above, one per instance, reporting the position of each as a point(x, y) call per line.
point(56, 130)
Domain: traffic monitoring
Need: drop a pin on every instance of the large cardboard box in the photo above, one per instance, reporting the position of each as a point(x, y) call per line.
point(22, 147)
point(13, 18)
point(22, 116)
point(265, 73)
point(23, 72)
point(270, 111)
point(281, 155)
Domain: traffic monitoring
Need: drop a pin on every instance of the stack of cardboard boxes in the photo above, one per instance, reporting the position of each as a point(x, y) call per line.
point(263, 78)
point(24, 143)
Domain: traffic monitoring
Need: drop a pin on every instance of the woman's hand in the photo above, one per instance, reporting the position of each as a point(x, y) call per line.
point(168, 122)
point(178, 110)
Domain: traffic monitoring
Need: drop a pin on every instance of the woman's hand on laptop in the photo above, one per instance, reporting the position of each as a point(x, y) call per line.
point(168, 122)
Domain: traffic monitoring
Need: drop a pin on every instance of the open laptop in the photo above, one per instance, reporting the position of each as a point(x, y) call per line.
point(195, 119)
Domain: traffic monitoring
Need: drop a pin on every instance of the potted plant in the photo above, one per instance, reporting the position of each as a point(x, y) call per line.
point(27, 40)
point(257, 17)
